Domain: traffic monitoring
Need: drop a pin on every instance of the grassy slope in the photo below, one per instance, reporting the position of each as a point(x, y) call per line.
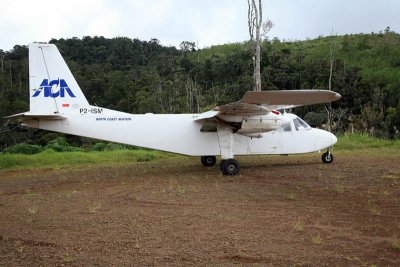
point(349, 144)
point(377, 55)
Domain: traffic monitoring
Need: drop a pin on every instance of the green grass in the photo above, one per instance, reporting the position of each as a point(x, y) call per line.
point(353, 144)
point(52, 159)
point(395, 243)
point(364, 142)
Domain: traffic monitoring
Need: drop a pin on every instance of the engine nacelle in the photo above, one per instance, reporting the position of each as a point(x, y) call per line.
point(261, 124)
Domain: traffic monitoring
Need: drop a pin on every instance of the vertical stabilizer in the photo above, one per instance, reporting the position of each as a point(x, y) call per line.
point(52, 87)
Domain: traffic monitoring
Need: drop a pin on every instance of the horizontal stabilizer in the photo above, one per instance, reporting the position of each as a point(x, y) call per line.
point(32, 116)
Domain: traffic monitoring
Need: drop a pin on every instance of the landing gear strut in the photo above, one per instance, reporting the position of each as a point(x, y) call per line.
point(208, 161)
point(327, 157)
point(229, 167)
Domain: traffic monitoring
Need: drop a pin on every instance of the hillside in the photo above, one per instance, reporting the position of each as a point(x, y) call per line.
point(142, 76)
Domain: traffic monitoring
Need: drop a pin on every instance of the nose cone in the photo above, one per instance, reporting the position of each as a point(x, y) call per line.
point(324, 139)
point(333, 139)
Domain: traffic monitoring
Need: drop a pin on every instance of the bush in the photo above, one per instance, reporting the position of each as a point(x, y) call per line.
point(61, 145)
point(23, 149)
point(145, 157)
point(113, 146)
point(99, 146)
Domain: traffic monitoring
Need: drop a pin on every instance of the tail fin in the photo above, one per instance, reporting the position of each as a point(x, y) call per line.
point(52, 87)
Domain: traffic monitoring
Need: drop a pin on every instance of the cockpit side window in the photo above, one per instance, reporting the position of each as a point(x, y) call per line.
point(301, 125)
point(285, 128)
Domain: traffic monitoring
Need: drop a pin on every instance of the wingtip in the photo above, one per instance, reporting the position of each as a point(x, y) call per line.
point(337, 96)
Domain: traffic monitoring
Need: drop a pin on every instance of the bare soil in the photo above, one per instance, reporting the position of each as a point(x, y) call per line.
point(280, 211)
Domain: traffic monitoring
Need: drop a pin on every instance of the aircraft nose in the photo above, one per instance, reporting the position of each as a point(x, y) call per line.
point(325, 139)
point(333, 139)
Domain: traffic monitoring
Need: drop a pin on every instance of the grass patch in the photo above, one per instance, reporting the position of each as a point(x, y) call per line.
point(375, 210)
point(392, 176)
point(339, 188)
point(51, 159)
point(32, 210)
point(316, 240)
point(299, 226)
point(67, 258)
point(94, 207)
point(395, 243)
point(363, 141)
point(291, 196)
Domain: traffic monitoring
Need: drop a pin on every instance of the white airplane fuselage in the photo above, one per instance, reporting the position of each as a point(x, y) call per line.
point(181, 134)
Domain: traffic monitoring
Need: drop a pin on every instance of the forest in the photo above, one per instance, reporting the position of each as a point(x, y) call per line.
point(138, 76)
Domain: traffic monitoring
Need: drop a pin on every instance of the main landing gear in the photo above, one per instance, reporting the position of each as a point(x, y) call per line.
point(228, 167)
point(327, 157)
point(208, 161)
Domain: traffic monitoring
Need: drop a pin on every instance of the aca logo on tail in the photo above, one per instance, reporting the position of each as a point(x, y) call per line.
point(47, 86)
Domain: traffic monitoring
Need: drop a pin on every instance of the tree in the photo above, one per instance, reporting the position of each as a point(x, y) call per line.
point(255, 23)
point(187, 46)
point(328, 107)
point(334, 117)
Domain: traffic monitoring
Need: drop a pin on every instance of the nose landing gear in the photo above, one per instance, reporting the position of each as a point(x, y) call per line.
point(327, 157)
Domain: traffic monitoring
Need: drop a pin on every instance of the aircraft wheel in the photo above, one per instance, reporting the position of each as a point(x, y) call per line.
point(221, 164)
point(208, 161)
point(230, 167)
point(327, 157)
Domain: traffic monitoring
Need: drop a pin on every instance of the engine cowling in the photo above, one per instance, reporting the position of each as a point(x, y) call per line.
point(249, 125)
point(261, 124)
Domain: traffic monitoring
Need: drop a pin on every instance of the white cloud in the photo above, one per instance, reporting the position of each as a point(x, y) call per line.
point(173, 21)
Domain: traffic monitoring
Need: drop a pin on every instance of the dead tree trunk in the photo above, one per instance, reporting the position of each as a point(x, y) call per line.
point(255, 23)
point(328, 107)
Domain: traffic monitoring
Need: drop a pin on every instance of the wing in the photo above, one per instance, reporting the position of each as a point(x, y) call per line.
point(260, 103)
point(289, 98)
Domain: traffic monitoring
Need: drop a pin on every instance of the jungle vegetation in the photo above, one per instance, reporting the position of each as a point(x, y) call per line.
point(138, 76)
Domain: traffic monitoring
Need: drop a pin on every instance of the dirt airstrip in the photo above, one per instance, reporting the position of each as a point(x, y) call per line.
point(280, 211)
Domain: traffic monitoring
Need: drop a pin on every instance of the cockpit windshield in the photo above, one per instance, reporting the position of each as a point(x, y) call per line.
point(300, 125)
point(297, 125)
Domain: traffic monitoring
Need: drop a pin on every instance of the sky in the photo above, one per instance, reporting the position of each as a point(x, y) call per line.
point(205, 22)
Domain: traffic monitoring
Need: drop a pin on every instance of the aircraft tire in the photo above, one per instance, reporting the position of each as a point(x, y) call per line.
point(327, 157)
point(230, 167)
point(221, 164)
point(208, 161)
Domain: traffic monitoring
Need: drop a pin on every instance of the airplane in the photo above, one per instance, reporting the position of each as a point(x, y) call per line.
point(256, 124)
